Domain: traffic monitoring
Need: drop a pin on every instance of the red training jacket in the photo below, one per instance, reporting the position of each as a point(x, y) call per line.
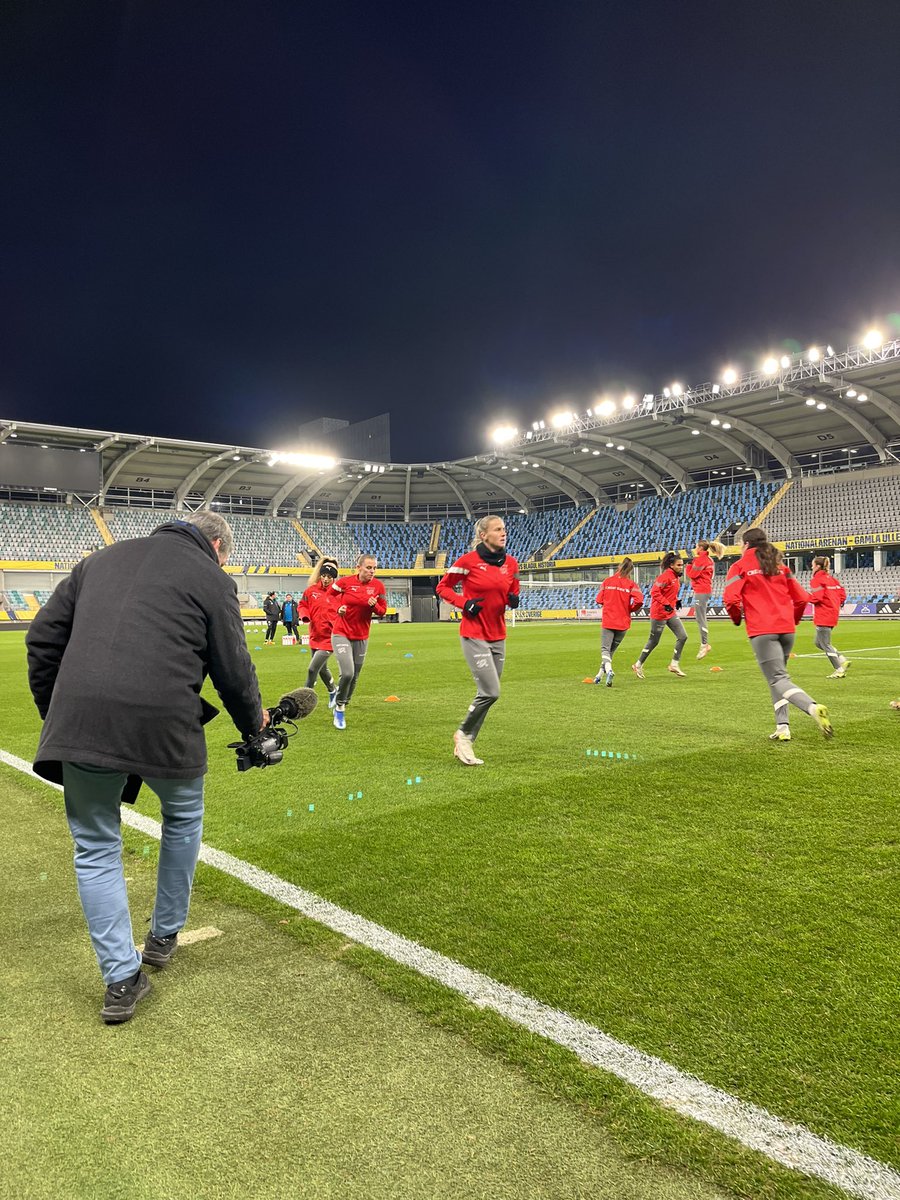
point(319, 607)
point(827, 594)
point(770, 603)
point(700, 572)
point(664, 591)
point(619, 597)
point(481, 581)
point(355, 622)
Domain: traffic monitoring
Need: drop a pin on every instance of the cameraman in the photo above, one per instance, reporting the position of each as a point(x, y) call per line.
point(116, 660)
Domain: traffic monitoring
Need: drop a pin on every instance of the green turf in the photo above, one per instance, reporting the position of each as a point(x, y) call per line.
point(726, 903)
point(256, 1068)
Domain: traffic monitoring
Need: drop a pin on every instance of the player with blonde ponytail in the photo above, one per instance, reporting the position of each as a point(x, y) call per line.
point(700, 570)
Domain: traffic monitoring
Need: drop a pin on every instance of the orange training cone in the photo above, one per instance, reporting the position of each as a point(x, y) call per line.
point(392, 699)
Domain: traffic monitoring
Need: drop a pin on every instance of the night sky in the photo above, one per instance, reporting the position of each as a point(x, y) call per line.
point(224, 219)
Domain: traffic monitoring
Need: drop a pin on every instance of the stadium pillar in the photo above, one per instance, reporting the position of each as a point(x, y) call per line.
point(879, 559)
point(839, 557)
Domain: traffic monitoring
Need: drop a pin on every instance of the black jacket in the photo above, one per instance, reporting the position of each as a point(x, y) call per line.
point(118, 655)
point(271, 608)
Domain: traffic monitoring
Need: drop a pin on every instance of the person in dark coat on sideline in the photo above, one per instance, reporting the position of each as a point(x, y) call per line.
point(116, 661)
point(272, 609)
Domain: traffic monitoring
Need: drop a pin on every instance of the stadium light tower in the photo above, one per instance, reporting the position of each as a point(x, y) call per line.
point(770, 366)
point(813, 354)
point(873, 340)
point(561, 419)
point(606, 408)
point(729, 376)
point(503, 434)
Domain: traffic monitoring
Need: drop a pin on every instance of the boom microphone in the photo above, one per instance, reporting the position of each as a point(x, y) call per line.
point(294, 706)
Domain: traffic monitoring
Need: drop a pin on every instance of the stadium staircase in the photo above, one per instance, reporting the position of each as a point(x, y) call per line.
point(761, 516)
point(304, 558)
point(440, 560)
point(420, 561)
point(435, 538)
point(556, 549)
point(102, 527)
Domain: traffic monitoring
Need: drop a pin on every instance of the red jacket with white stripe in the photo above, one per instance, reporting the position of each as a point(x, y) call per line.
point(769, 603)
point(483, 581)
point(619, 596)
point(827, 594)
point(351, 591)
point(664, 592)
point(700, 571)
point(319, 607)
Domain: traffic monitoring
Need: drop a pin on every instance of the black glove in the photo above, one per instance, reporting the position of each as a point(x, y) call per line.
point(668, 608)
point(473, 607)
point(513, 599)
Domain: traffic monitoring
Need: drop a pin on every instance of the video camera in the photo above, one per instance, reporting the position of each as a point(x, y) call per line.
point(266, 748)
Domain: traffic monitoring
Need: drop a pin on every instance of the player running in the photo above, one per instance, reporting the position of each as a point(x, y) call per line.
point(663, 614)
point(318, 609)
point(827, 594)
point(762, 589)
point(619, 596)
point(700, 570)
point(490, 582)
point(360, 598)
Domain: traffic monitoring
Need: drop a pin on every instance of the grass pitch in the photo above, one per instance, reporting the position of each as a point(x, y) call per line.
point(726, 903)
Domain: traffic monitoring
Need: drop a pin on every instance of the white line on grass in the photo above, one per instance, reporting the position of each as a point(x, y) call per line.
point(792, 1145)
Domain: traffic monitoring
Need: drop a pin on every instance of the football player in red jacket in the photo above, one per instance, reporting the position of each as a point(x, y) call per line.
point(360, 597)
point(827, 594)
point(490, 582)
point(700, 570)
point(619, 596)
point(318, 608)
point(664, 614)
point(760, 588)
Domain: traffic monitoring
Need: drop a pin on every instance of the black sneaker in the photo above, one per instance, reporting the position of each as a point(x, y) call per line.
point(158, 951)
point(121, 999)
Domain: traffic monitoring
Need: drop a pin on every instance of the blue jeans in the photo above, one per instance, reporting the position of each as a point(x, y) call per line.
point(93, 808)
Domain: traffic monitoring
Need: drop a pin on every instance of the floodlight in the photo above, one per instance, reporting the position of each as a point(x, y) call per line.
point(729, 376)
point(715, 421)
point(821, 406)
point(770, 366)
point(785, 361)
point(609, 445)
point(620, 447)
point(726, 424)
point(529, 435)
point(810, 403)
point(535, 425)
point(695, 433)
point(873, 339)
point(666, 393)
point(850, 393)
point(504, 433)
point(590, 412)
point(813, 354)
point(585, 449)
point(676, 389)
point(606, 408)
point(829, 350)
point(515, 468)
point(303, 460)
point(595, 452)
point(235, 458)
point(558, 420)
point(541, 425)
point(628, 402)
point(861, 398)
point(715, 389)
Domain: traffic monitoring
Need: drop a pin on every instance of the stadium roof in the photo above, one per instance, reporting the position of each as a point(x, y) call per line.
point(764, 426)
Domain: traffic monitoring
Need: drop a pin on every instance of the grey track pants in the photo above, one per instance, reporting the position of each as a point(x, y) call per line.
point(318, 668)
point(823, 643)
point(772, 650)
point(656, 628)
point(350, 657)
point(485, 661)
point(701, 603)
point(610, 641)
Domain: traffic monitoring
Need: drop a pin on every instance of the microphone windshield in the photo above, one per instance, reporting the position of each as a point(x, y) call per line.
point(298, 704)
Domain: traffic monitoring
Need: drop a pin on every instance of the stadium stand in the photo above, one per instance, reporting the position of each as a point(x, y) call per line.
point(334, 539)
point(852, 504)
point(42, 532)
point(527, 533)
point(394, 545)
point(677, 522)
point(258, 541)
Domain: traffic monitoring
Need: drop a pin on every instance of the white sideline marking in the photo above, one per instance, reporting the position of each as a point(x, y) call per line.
point(792, 1145)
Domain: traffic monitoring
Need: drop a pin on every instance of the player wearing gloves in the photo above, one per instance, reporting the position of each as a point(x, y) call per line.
point(663, 614)
point(762, 590)
point(700, 570)
point(490, 582)
point(619, 597)
point(827, 595)
point(318, 608)
point(360, 597)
